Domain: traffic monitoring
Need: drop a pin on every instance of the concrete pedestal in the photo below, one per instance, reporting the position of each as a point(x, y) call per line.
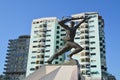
point(56, 72)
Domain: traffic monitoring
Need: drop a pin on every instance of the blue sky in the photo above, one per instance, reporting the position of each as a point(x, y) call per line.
point(16, 17)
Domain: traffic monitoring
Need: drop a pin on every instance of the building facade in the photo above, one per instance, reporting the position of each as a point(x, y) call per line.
point(16, 59)
point(90, 36)
point(45, 41)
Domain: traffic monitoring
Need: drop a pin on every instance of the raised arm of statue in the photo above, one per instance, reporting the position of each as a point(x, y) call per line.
point(84, 19)
point(62, 23)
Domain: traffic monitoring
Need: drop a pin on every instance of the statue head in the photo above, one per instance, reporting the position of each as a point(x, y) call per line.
point(72, 24)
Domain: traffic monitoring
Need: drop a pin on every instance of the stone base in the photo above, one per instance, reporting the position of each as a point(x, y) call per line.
point(56, 72)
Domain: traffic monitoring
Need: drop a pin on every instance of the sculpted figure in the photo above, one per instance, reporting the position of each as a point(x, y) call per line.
point(69, 38)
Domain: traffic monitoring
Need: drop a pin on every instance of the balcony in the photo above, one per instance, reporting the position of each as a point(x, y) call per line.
point(6, 61)
point(7, 57)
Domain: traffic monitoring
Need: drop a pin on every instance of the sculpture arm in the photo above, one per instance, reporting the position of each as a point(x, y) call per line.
point(84, 19)
point(62, 23)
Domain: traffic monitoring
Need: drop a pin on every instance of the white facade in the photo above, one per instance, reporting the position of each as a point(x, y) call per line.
point(44, 42)
point(90, 36)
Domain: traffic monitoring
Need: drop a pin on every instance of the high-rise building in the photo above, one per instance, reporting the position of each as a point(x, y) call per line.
point(90, 35)
point(16, 59)
point(45, 41)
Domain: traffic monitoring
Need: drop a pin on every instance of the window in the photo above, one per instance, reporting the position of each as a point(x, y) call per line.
point(96, 72)
point(91, 26)
point(57, 42)
point(62, 30)
point(86, 31)
point(86, 42)
point(47, 46)
point(47, 51)
point(93, 54)
point(32, 69)
point(82, 37)
point(63, 34)
point(82, 31)
point(57, 37)
point(92, 48)
point(60, 59)
point(37, 67)
point(86, 48)
point(83, 72)
point(77, 37)
point(37, 22)
point(56, 62)
point(42, 56)
point(91, 21)
point(86, 53)
point(82, 66)
point(92, 42)
point(87, 72)
point(58, 27)
point(47, 56)
point(33, 57)
point(32, 62)
point(92, 37)
point(87, 65)
point(47, 40)
point(35, 41)
point(58, 32)
point(87, 59)
point(93, 66)
point(41, 62)
point(86, 37)
point(37, 62)
point(82, 60)
point(93, 60)
point(48, 30)
point(38, 56)
point(34, 51)
point(57, 47)
point(61, 44)
point(48, 35)
point(34, 46)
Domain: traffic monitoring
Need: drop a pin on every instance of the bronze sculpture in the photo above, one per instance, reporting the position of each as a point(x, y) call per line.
point(70, 34)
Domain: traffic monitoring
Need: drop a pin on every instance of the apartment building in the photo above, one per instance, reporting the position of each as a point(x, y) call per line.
point(45, 41)
point(91, 37)
point(16, 59)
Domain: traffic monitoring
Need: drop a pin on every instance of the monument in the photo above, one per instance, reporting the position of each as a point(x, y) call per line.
point(69, 70)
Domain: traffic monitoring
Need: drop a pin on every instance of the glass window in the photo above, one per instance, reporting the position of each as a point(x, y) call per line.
point(58, 32)
point(93, 66)
point(93, 54)
point(92, 37)
point(92, 42)
point(56, 62)
point(37, 67)
point(32, 69)
point(91, 26)
point(57, 37)
point(32, 62)
point(47, 51)
point(37, 62)
point(41, 62)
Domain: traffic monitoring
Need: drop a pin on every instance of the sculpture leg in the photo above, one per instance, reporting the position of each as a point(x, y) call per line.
point(60, 52)
point(77, 47)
